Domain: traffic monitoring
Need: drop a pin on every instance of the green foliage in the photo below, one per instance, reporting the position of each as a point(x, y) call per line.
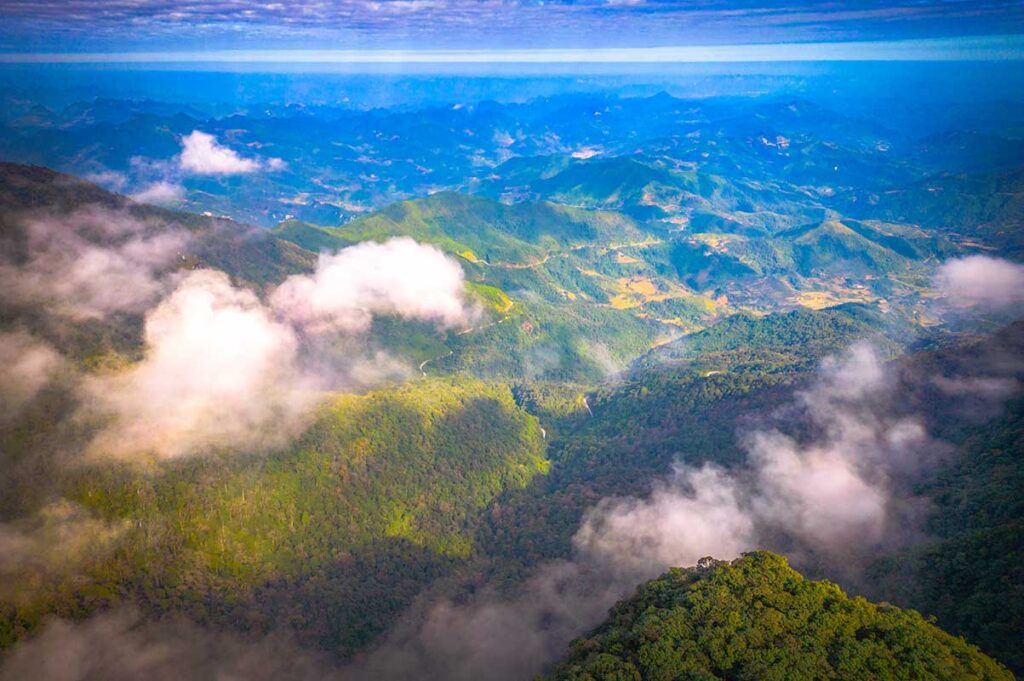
point(799, 337)
point(310, 237)
point(382, 491)
point(490, 231)
point(756, 618)
point(970, 573)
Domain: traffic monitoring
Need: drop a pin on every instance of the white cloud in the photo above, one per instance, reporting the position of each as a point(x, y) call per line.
point(218, 371)
point(696, 514)
point(981, 281)
point(203, 155)
point(160, 193)
point(399, 277)
point(91, 263)
point(224, 370)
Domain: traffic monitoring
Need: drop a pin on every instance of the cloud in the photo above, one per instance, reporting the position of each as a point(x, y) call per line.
point(224, 370)
point(203, 155)
point(410, 27)
point(56, 540)
point(836, 493)
point(981, 281)
point(122, 646)
point(218, 371)
point(109, 179)
point(398, 277)
point(26, 366)
point(695, 514)
point(91, 262)
point(160, 193)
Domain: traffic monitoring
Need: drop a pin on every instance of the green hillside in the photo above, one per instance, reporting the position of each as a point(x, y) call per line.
point(756, 618)
point(481, 229)
point(849, 247)
point(799, 337)
point(335, 534)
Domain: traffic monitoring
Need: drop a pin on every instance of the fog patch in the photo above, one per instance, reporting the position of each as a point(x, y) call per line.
point(121, 646)
point(91, 263)
point(981, 281)
point(26, 366)
point(161, 193)
point(55, 541)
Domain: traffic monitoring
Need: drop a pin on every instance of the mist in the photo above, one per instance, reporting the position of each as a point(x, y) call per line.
point(223, 370)
point(981, 281)
point(91, 263)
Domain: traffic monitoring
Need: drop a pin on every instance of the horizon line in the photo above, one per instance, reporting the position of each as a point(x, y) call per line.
point(973, 48)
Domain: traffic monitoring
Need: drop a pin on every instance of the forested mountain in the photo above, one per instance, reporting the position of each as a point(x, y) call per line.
point(758, 618)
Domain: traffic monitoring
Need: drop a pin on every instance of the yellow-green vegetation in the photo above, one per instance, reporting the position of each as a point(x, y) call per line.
point(757, 618)
point(491, 297)
point(383, 489)
point(479, 229)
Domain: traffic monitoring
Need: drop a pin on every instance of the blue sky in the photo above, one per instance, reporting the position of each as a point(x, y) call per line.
point(565, 29)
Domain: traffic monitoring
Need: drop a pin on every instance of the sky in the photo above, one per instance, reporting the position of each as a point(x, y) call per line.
point(508, 30)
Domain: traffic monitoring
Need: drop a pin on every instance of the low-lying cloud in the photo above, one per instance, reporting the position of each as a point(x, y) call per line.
point(202, 154)
point(161, 193)
point(398, 277)
point(56, 540)
point(91, 263)
point(122, 646)
point(218, 369)
point(981, 281)
point(26, 366)
point(224, 370)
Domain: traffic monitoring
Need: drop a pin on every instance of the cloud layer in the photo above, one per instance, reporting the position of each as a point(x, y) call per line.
point(981, 281)
point(91, 263)
point(416, 24)
point(224, 370)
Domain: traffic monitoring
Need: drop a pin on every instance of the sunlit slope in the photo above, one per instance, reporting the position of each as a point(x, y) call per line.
point(330, 537)
point(758, 618)
point(481, 229)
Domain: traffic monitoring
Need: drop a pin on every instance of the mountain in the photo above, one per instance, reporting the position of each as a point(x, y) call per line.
point(665, 312)
point(983, 207)
point(758, 618)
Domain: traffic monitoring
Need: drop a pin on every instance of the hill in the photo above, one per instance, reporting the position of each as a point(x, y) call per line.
point(797, 337)
point(333, 535)
point(482, 229)
point(758, 618)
